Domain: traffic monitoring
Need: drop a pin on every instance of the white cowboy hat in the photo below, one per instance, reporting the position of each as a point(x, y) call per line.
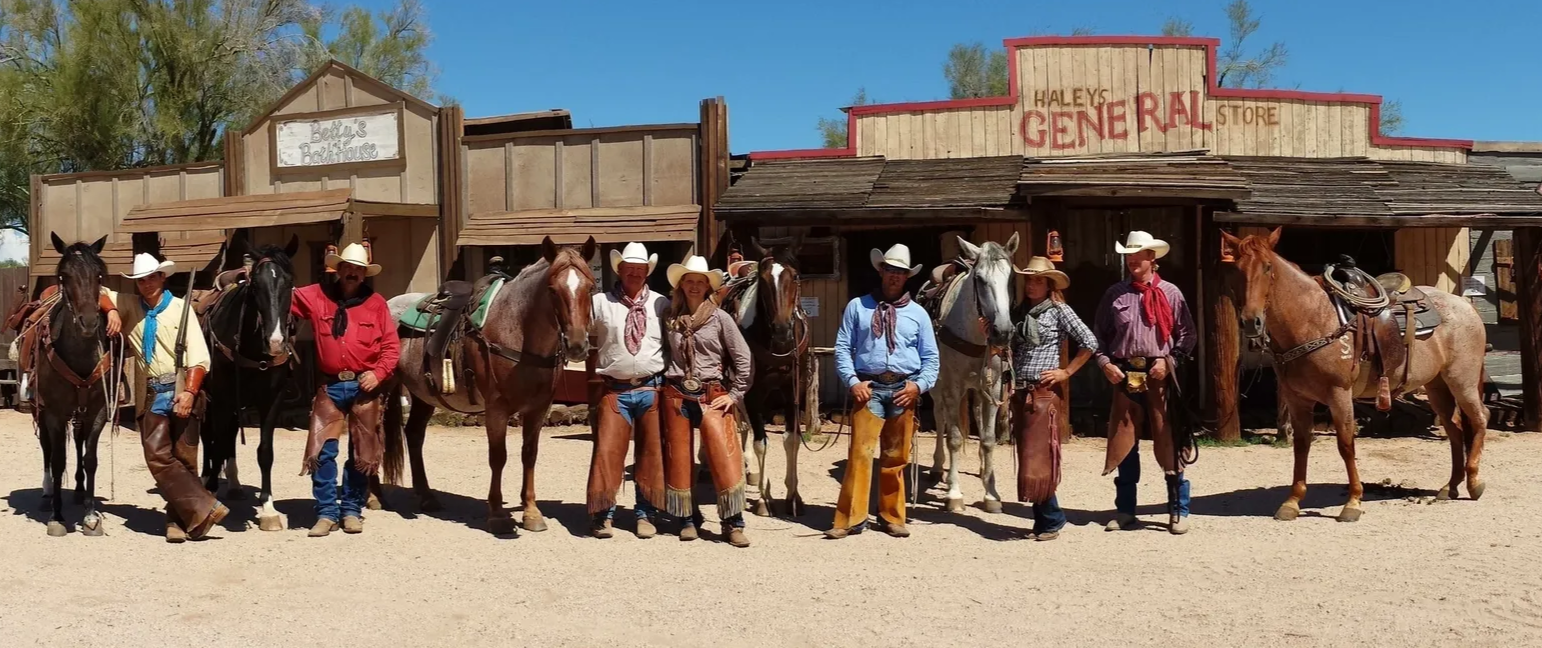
point(694, 265)
point(146, 265)
point(356, 255)
point(897, 257)
point(633, 253)
point(1042, 267)
point(1139, 241)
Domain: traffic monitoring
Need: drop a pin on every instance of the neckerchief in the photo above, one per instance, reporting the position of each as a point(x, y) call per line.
point(1029, 329)
point(335, 293)
point(636, 317)
point(147, 341)
point(687, 325)
point(886, 318)
point(1154, 307)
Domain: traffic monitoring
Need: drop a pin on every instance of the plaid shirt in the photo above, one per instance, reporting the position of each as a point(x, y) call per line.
point(1054, 324)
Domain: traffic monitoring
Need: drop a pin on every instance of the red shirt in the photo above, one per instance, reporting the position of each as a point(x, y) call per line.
point(369, 344)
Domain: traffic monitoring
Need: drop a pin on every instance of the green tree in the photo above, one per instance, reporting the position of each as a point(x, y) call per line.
point(1238, 68)
point(1176, 26)
point(1391, 117)
point(973, 71)
point(832, 132)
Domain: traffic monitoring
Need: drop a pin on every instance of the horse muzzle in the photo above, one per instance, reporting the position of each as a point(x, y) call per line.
point(1253, 327)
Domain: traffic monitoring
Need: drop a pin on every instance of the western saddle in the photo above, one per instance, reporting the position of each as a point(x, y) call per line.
point(444, 318)
point(1386, 313)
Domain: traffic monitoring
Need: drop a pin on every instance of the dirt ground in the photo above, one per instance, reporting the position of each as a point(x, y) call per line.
point(1409, 573)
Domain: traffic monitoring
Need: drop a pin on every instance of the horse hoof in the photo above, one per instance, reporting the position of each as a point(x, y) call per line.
point(270, 523)
point(992, 506)
point(955, 505)
point(501, 526)
point(1350, 514)
point(1475, 488)
point(429, 504)
point(57, 530)
point(762, 508)
point(373, 503)
point(1287, 512)
point(1444, 494)
point(235, 495)
point(90, 529)
point(534, 523)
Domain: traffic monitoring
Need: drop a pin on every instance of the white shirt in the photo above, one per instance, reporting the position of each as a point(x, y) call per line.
point(609, 316)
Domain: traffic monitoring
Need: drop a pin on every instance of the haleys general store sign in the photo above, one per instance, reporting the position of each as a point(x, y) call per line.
point(339, 140)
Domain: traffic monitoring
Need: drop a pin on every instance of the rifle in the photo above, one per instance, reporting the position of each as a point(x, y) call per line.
point(181, 348)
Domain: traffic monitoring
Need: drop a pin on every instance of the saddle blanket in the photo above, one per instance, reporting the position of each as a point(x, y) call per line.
point(417, 319)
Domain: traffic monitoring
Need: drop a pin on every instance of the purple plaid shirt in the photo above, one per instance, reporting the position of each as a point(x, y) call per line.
point(1123, 333)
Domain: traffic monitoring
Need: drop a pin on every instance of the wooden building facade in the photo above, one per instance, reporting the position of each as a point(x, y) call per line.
point(1115, 133)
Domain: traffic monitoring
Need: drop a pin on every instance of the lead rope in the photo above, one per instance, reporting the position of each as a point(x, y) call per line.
point(113, 393)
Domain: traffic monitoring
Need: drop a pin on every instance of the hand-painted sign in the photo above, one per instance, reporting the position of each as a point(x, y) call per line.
point(339, 140)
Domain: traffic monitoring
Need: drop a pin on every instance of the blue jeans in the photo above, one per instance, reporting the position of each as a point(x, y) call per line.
point(1048, 517)
point(162, 396)
point(634, 404)
point(882, 402)
point(324, 479)
point(1128, 478)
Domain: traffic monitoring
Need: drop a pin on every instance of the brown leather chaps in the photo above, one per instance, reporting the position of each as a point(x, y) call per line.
point(1036, 431)
point(1128, 417)
point(171, 454)
point(612, 436)
point(719, 439)
point(366, 440)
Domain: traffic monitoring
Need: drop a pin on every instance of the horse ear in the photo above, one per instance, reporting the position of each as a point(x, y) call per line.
point(237, 245)
point(1012, 245)
point(58, 243)
point(1274, 237)
point(293, 246)
point(590, 247)
point(96, 248)
point(968, 250)
point(1230, 239)
point(548, 249)
point(756, 249)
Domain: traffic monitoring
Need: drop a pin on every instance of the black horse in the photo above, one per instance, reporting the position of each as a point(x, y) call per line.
point(73, 370)
point(249, 330)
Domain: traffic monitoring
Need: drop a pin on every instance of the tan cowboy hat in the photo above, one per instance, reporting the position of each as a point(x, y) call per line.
point(897, 257)
point(1042, 267)
point(354, 254)
point(735, 267)
point(694, 265)
point(146, 265)
point(633, 253)
point(1139, 241)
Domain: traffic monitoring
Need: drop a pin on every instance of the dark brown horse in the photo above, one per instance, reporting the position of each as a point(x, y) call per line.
point(536, 324)
point(1288, 309)
point(785, 374)
point(73, 371)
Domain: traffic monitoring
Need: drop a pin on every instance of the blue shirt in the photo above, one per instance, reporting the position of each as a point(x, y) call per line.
point(857, 350)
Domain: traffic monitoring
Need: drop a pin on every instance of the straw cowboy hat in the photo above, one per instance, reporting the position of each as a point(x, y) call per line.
point(146, 265)
point(633, 253)
point(1042, 267)
point(1139, 241)
point(735, 268)
point(694, 265)
point(897, 257)
point(354, 254)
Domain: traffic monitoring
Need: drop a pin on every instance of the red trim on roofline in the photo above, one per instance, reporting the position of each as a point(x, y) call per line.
point(1013, 95)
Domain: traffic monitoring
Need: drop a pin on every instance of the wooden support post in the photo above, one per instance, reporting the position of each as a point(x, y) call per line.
point(1528, 298)
point(1222, 342)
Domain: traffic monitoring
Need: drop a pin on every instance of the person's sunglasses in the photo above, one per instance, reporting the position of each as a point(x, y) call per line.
point(888, 269)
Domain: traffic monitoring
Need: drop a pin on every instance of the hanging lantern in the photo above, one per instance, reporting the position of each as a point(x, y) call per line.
point(331, 249)
point(1227, 254)
point(1052, 247)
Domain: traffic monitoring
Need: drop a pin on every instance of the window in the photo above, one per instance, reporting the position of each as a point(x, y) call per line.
point(818, 258)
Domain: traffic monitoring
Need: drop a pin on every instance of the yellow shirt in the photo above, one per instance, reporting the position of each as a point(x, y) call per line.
point(162, 359)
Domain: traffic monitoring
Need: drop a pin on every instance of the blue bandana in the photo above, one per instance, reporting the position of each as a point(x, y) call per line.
point(148, 340)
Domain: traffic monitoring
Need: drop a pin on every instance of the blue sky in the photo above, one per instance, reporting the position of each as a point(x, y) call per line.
point(1461, 69)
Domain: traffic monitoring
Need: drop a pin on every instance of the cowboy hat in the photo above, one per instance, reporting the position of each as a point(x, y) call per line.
point(1042, 267)
point(897, 257)
point(633, 253)
point(694, 265)
point(146, 265)
point(354, 254)
point(1139, 241)
point(735, 267)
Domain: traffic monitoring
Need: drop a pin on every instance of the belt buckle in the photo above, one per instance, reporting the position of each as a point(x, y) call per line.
point(1136, 380)
point(1138, 362)
point(691, 385)
point(346, 375)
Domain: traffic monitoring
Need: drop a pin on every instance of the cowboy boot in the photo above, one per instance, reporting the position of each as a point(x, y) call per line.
point(353, 524)
point(602, 529)
point(1176, 524)
point(645, 528)
point(323, 528)
point(736, 536)
point(174, 532)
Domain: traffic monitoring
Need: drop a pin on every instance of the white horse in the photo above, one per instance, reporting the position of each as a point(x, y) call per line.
point(976, 327)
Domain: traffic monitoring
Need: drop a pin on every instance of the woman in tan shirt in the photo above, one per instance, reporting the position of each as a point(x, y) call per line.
point(709, 372)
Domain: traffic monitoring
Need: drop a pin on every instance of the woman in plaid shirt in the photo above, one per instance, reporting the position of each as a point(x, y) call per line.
point(1043, 319)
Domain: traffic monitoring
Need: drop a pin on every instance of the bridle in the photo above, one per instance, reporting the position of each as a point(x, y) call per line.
point(798, 320)
point(563, 326)
point(233, 351)
point(1261, 339)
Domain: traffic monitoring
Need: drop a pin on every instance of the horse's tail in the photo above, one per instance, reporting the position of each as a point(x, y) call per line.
point(394, 431)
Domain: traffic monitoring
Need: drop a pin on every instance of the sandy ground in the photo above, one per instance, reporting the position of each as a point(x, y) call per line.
point(1409, 573)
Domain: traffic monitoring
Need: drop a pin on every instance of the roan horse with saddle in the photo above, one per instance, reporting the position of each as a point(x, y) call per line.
point(1378, 311)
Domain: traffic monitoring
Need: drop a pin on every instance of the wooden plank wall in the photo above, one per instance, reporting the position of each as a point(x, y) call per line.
point(1079, 100)
point(87, 206)
point(415, 181)
point(1433, 256)
point(582, 169)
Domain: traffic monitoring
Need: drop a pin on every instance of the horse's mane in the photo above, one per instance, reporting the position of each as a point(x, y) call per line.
point(1258, 247)
point(276, 254)
point(79, 257)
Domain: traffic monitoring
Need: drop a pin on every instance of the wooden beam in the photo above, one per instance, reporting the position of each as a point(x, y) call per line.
point(1223, 342)
point(612, 130)
point(1528, 274)
point(824, 217)
point(1432, 220)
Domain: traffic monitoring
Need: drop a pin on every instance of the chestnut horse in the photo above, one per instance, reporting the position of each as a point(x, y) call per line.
point(1288, 309)
point(537, 323)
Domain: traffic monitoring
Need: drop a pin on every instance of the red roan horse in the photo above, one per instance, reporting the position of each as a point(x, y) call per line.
point(536, 324)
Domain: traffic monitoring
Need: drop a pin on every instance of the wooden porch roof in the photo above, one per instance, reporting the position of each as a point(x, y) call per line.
point(872, 187)
point(1190, 174)
point(191, 251)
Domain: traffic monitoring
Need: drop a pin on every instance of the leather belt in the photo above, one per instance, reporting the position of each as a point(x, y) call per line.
point(615, 384)
point(343, 376)
point(887, 377)
point(165, 379)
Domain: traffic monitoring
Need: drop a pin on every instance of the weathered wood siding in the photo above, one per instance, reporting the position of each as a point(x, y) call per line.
point(1433, 256)
point(86, 206)
point(1088, 99)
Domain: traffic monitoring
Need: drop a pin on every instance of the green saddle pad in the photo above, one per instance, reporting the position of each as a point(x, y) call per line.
point(414, 318)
